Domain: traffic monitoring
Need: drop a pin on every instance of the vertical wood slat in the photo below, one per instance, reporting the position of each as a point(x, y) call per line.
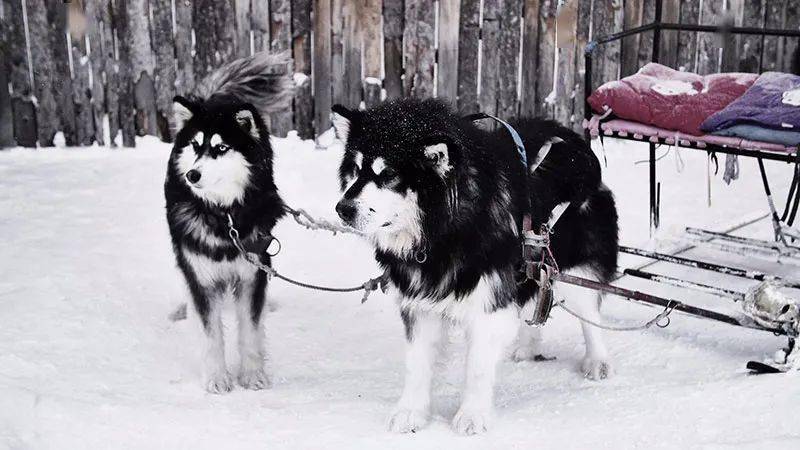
point(447, 74)
point(469, 35)
point(750, 46)
point(81, 91)
point(140, 55)
point(418, 48)
point(633, 17)
point(530, 57)
point(646, 39)
point(184, 21)
point(322, 65)
point(94, 35)
point(670, 13)
point(731, 47)
point(490, 56)
point(164, 69)
point(792, 21)
point(581, 38)
point(351, 54)
point(607, 19)
point(13, 72)
point(125, 79)
point(337, 58)
point(301, 51)
point(393, 19)
point(565, 75)
point(708, 44)
point(106, 13)
point(50, 63)
point(243, 27)
point(371, 38)
point(259, 24)
point(687, 41)
point(546, 56)
point(773, 45)
point(280, 32)
point(509, 40)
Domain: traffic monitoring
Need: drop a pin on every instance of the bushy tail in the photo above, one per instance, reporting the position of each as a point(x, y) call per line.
point(263, 80)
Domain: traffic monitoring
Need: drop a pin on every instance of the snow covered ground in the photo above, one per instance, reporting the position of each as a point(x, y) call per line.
point(88, 358)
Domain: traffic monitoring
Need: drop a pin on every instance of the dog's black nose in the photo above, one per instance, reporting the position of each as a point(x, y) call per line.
point(346, 209)
point(193, 176)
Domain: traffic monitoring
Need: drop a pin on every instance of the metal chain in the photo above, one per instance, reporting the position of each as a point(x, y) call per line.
point(654, 321)
point(368, 287)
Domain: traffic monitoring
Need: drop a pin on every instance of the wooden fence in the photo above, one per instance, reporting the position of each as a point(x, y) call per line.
point(111, 67)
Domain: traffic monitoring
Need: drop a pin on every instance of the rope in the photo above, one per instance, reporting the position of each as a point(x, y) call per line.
point(654, 321)
point(368, 287)
point(305, 219)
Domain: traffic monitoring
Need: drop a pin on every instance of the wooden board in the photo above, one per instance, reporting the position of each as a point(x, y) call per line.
point(301, 51)
point(6, 113)
point(468, 47)
point(94, 36)
point(708, 45)
point(52, 81)
point(687, 40)
point(565, 75)
point(508, 74)
point(127, 109)
point(633, 17)
point(351, 54)
point(393, 20)
point(447, 61)
point(546, 64)
point(581, 38)
point(670, 13)
point(490, 57)
point(418, 48)
point(322, 65)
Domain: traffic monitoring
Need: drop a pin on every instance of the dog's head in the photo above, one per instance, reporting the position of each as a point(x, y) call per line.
point(397, 171)
point(220, 144)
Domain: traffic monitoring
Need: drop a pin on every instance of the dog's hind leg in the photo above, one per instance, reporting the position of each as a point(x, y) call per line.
point(250, 297)
point(423, 334)
point(489, 335)
point(596, 364)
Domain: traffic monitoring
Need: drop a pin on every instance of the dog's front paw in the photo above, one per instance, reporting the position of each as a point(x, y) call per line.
point(255, 379)
point(469, 421)
point(405, 420)
point(595, 368)
point(219, 383)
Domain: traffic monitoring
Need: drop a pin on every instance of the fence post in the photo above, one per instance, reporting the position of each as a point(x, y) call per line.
point(530, 58)
point(581, 38)
point(351, 54)
point(82, 90)
point(322, 65)
point(94, 35)
point(393, 16)
point(447, 75)
point(634, 13)
point(565, 76)
point(546, 53)
point(280, 32)
point(708, 44)
point(371, 37)
point(164, 70)
point(418, 50)
point(490, 57)
point(301, 49)
point(259, 23)
point(6, 113)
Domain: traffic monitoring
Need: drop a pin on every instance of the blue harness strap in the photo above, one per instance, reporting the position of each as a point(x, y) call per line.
point(514, 135)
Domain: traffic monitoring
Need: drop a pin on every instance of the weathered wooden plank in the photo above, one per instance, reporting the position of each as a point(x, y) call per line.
point(111, 88)
point(468, 47)
point(546, 65)
point(490, 56)
point(607, 19)
point(322, 65)
point(508, 74)
point(301, 50)
point(6, 113)
point(23, 111)
point(184, 21)
point(708, 45)
point(687, 41)
point(731, 47)
point(565, 75)
point(51, 75)
point(530, 57)
point(280, 32)
point(164, 70)
point(670, 13)
point(243, 27)
point(215, 35)
point(634, 14)
point(773, 45)
point(125, 90)
point(259, 23)
point(82, 92)
point(337, 50)
point(646, 39)
point(582, 26)
point(792, 22)
point(447, 74)
point(351, 54)
point(418, 48)
point(371, 38)
point(94, 36)
point(141, 60)
point(393, 19)
point(750, 46)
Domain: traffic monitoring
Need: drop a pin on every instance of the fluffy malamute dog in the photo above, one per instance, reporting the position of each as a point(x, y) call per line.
point(222, 164)
point(443, 201)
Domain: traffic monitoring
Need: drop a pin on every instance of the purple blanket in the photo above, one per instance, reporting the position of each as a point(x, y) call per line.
point(773, 101)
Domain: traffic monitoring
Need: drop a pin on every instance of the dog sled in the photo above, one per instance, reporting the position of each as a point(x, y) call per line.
point(772, 304)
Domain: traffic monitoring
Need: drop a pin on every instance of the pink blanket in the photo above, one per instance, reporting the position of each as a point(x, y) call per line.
point(669, 99)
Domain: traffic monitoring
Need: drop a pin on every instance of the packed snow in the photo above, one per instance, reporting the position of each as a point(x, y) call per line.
point(89, 359)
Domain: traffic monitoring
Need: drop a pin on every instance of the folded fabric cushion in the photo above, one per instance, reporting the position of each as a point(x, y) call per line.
point(773, 102)
point(669, 99)
point(758, 133)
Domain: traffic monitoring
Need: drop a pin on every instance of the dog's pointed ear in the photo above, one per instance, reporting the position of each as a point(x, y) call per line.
point(438, 157)
point(247, 121)
point(181, 112)
point(342, 119)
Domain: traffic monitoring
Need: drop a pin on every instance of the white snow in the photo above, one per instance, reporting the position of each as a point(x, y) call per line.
point(88, 358)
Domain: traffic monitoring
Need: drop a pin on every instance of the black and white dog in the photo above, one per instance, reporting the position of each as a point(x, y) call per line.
point(221, 164)
point(443, 201)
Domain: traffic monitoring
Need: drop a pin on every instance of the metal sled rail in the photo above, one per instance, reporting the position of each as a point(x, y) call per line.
point(663, 302)
point(777, 247)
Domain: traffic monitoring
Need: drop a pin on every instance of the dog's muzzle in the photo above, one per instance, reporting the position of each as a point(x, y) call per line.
point(347, 210)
